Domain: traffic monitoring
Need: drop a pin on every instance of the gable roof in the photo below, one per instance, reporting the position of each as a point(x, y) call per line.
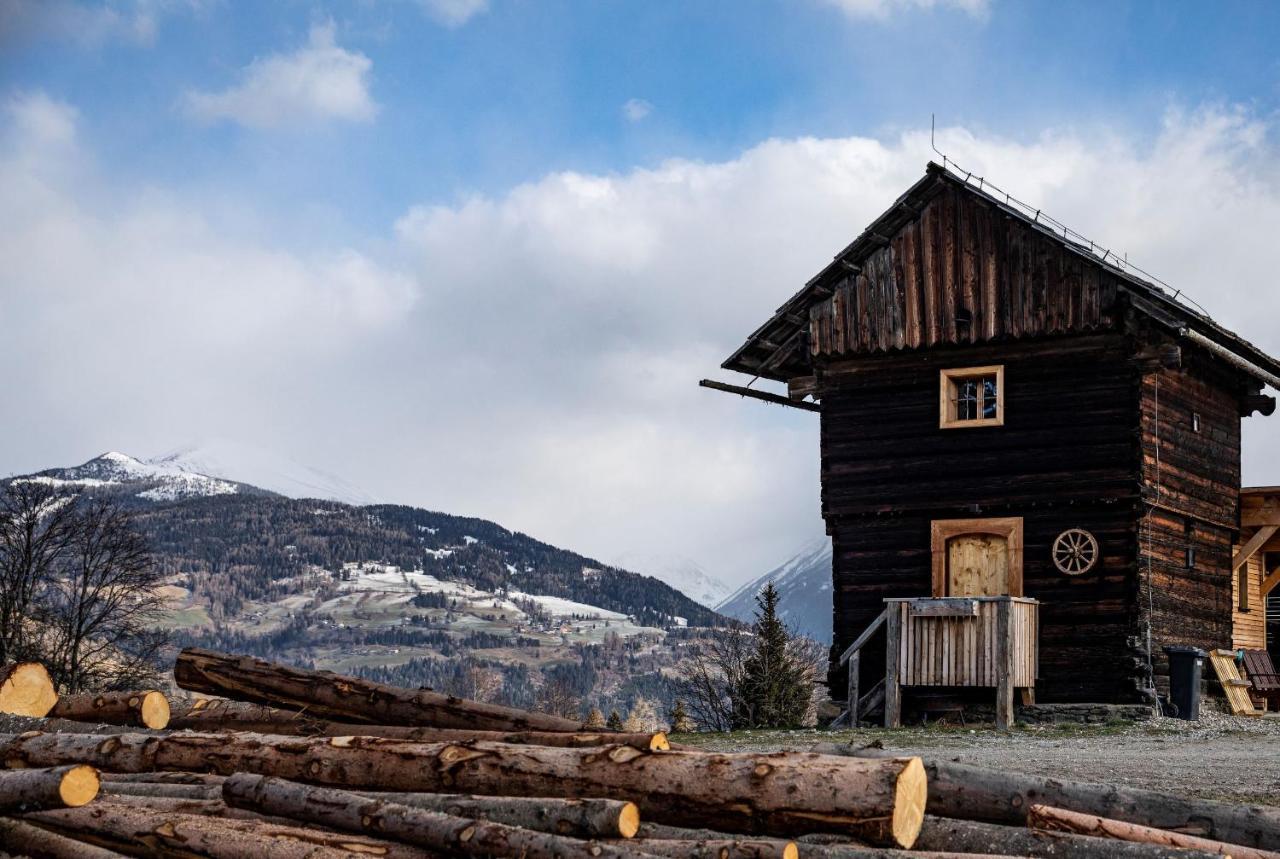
point(770, 352)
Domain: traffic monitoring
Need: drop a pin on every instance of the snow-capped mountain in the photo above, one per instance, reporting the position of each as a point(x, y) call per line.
point(804, 586)
point(235, 461)
point(216, 468)
point(151, 481)
point(683, 574)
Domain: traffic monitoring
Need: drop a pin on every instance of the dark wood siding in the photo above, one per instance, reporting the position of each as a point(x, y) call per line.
point(962, 257)
point(1191, 483)
point(1066, 457)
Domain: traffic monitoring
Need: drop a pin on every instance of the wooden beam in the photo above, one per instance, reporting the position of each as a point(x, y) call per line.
point(767, 397)
point(802, 386)
point(1255, 543)
point(1255, 515)
point(1269, 583)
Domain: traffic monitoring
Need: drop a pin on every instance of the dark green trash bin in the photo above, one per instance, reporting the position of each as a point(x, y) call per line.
point(1184, 680)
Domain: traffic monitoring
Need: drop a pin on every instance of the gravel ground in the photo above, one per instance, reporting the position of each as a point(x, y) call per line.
point(1224, 757)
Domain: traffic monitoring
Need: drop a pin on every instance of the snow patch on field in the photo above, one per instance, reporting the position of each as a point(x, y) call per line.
point(560, 607)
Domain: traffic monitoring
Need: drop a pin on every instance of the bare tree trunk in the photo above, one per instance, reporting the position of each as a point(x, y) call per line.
point(857, 851)
point(725, 848)
point(202, 807)
point(116, 789)
point(26, 690)
point(150, 777)
point(878, 800)
point(25, 839)
point(258, 718)
point(142, 709)
point(57, 787)
point(1062, 820)
point(220, 714)
point(581, 818)
point(348, 698)
point(443, 833)
point(182, 836)
point(976, 793)
point(941, 833)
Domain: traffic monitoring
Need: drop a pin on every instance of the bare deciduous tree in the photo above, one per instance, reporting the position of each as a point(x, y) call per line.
point(708, 676)
point(78, 590)
point(37, 524)
point(558, 697)
point(101, 610)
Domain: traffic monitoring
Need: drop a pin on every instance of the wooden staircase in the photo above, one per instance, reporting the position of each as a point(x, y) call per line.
point(872, 703)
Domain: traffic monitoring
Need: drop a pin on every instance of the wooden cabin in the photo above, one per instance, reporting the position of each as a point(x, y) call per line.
point(1005, 410)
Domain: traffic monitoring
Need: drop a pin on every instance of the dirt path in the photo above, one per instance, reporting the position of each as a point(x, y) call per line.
point(1220, 757)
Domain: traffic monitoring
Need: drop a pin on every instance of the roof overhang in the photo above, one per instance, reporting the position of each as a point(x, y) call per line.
point(770, 352)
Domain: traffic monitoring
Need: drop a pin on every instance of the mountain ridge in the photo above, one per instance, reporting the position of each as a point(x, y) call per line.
point(233, 543)
point(803, 582)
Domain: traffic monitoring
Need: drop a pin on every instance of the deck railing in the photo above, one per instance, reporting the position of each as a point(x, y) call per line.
point(965, 641)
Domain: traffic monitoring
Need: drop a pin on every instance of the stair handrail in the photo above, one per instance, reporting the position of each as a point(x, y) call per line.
point(852, 653)
point(861, 640)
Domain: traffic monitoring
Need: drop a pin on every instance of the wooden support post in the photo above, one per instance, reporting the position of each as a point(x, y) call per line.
point(892, 689)
point(855, 663)
point(1004, 666)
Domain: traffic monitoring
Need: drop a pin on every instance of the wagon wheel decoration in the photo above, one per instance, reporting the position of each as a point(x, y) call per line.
point(1075, 552)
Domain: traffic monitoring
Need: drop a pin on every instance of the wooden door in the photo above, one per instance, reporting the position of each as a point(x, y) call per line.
point(978, 565)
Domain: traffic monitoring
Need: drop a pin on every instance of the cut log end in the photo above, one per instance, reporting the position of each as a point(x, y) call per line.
point(629, 820)
point(79, 785)
point(155, 710)
point(658, 743)
point(910, 796)
point(26, 690)
point(790, 851)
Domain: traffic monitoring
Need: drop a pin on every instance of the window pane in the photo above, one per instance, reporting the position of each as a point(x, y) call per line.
point(966, 399)
point(989, 397)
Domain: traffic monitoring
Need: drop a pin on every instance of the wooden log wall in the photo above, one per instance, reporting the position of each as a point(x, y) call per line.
point(1067, 457)
point(1191, 486)
point(962, 259)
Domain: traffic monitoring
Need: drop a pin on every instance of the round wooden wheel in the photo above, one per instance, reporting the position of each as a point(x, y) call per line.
point(1075, 552)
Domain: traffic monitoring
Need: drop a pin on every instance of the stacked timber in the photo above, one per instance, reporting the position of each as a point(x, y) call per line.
point(290, 763)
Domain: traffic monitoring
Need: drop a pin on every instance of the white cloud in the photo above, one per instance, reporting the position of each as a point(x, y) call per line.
point(533, 356)
point(135, 21)
point(883, 9)
point(453, 13)
point(116, 300)
point(317, 82)
point(636, 109)
point(40, 122)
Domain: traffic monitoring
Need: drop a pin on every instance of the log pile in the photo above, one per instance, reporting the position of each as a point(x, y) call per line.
point(293, 763)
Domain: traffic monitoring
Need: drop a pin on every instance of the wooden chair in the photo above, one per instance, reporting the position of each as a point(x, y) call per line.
point(1262, 674)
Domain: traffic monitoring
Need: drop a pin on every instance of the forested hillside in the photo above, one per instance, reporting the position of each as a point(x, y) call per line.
point(232, 549)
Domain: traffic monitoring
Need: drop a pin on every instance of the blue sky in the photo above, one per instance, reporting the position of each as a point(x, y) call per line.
point(523, 88)
point(475, 255)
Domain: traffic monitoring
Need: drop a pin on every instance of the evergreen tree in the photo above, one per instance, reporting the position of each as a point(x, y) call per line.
point(614, 722)
point(595, 719)
point(776, 685)
point(680, 721)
